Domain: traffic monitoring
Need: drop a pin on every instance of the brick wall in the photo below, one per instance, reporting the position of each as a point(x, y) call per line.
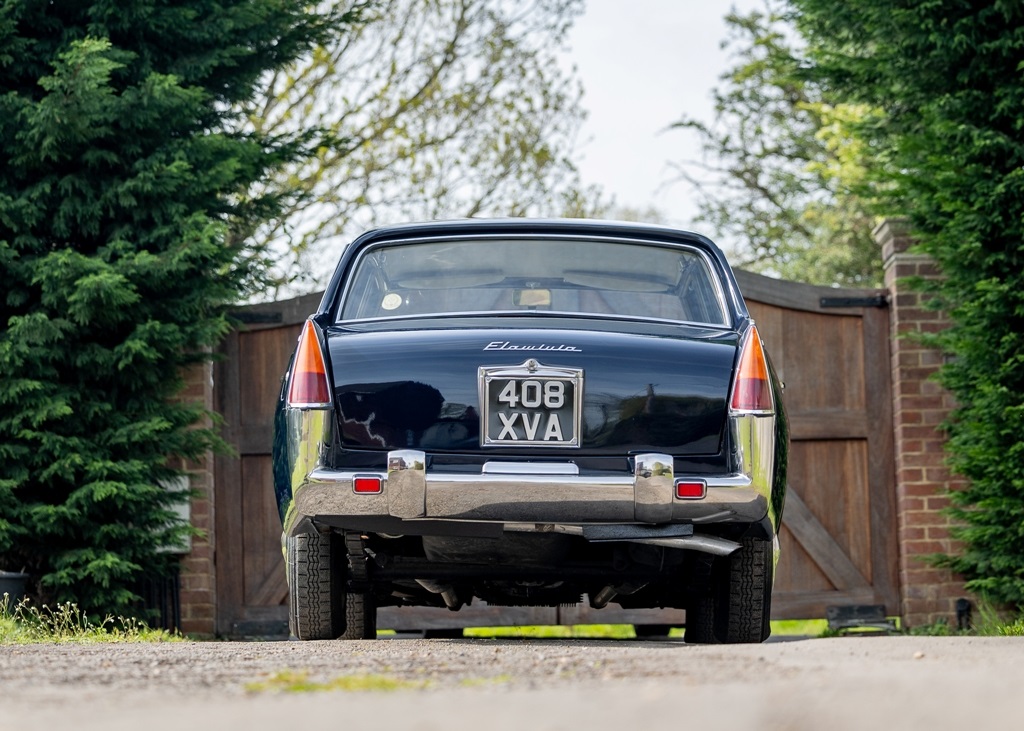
point(919, 407)
point(198, 587)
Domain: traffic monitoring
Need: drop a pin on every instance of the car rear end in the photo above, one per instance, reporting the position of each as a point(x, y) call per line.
point(529, 413)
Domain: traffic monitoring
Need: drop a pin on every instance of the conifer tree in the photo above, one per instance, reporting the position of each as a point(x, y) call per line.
point(948, 76)
point(122, 172)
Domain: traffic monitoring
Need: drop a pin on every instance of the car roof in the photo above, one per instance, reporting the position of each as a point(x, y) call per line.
point(539, 225)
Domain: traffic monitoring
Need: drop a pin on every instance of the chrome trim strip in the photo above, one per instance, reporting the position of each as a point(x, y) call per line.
point(307, 431)
point(753, 439)
point(564, 314)
point(529, 468)
point(569, 530)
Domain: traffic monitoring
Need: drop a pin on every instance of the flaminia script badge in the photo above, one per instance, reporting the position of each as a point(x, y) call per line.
point(506, 345)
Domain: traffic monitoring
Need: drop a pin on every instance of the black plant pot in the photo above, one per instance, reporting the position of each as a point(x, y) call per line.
point(12, 584)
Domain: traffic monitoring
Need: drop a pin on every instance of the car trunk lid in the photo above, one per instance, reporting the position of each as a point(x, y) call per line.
point(425, 389)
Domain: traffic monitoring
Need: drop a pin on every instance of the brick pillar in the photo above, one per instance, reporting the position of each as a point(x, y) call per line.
point(920, 405)
point(198, 585)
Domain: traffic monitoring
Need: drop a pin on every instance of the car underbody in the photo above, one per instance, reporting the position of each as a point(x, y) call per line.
point(543, 565)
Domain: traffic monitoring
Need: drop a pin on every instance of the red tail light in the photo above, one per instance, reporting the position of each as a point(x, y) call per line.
point(365, 485)
point(691, 489)
point(752, 390)
point(310, 386)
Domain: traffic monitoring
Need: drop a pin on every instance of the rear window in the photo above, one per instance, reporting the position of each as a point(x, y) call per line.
point(558, 276)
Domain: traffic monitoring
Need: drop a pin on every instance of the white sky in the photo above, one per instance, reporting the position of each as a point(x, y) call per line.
point(643, 64)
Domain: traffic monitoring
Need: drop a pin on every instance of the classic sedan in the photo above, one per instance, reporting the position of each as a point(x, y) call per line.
point(531, 413)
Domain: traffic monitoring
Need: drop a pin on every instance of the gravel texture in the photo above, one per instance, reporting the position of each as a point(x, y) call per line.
point(839, 683)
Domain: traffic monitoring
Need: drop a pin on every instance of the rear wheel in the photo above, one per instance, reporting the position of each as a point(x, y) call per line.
point(360, 617)
point(360, 603)
point(315, 604)
point(737, 605)
point(700, 616)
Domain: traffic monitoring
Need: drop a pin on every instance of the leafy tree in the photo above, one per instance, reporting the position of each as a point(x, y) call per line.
point(780, 177)
point(448, 108)
point(122, 168)
point(948, 76)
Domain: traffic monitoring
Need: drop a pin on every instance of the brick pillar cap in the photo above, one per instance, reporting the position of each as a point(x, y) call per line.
point(893, 235)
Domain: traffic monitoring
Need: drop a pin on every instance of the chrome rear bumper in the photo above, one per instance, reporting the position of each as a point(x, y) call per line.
point(528, 492)
point(541, 495)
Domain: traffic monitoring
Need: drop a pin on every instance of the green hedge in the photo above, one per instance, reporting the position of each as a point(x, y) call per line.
point(123, 169)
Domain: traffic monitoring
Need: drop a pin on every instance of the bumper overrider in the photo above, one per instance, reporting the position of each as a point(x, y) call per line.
point(544, 497)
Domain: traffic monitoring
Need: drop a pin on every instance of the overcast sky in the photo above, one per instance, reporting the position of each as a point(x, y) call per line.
point(644, 64)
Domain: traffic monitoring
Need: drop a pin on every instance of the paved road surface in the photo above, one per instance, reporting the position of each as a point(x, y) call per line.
point(927, 683)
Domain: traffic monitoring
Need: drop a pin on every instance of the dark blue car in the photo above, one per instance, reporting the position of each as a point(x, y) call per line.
point(531, 413)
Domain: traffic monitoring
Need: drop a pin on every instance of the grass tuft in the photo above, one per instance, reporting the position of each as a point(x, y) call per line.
point(988, 621)
point(25, 624)
point(297, 681)
point(481, 682)
point(579, 631)
point(1014, 629)
point(806, 627)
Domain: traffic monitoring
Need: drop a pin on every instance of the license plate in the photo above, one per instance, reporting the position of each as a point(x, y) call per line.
point(531, 405)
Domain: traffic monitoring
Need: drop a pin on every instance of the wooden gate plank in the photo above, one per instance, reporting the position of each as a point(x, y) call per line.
point(814, 425)
point(273, 590)
point(881, 459)
point(812, 604)
point(228, 536)
point(820, 544)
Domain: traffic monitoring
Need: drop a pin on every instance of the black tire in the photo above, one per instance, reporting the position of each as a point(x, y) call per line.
point(360, 607)
point(360, 617)
point(315, 603)
point(700, 620)
point(744, 605)
point(736, 609)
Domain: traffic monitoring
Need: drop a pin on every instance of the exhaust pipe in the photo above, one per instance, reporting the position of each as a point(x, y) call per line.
point(447, 592)
point(600, 599)
point(704, 544)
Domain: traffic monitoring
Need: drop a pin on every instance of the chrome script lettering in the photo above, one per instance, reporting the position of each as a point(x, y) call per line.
point(506, 345)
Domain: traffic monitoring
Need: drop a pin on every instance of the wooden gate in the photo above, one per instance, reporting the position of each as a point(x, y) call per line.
point(252, 594)
point(830, 347)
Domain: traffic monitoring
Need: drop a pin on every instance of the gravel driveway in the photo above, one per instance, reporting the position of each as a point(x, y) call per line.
point(840, 683)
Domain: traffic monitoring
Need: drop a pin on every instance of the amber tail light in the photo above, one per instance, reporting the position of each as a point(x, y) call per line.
point(752, 390)
point(310, 387)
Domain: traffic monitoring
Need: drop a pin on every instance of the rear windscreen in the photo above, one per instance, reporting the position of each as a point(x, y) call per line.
point(558, 276)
